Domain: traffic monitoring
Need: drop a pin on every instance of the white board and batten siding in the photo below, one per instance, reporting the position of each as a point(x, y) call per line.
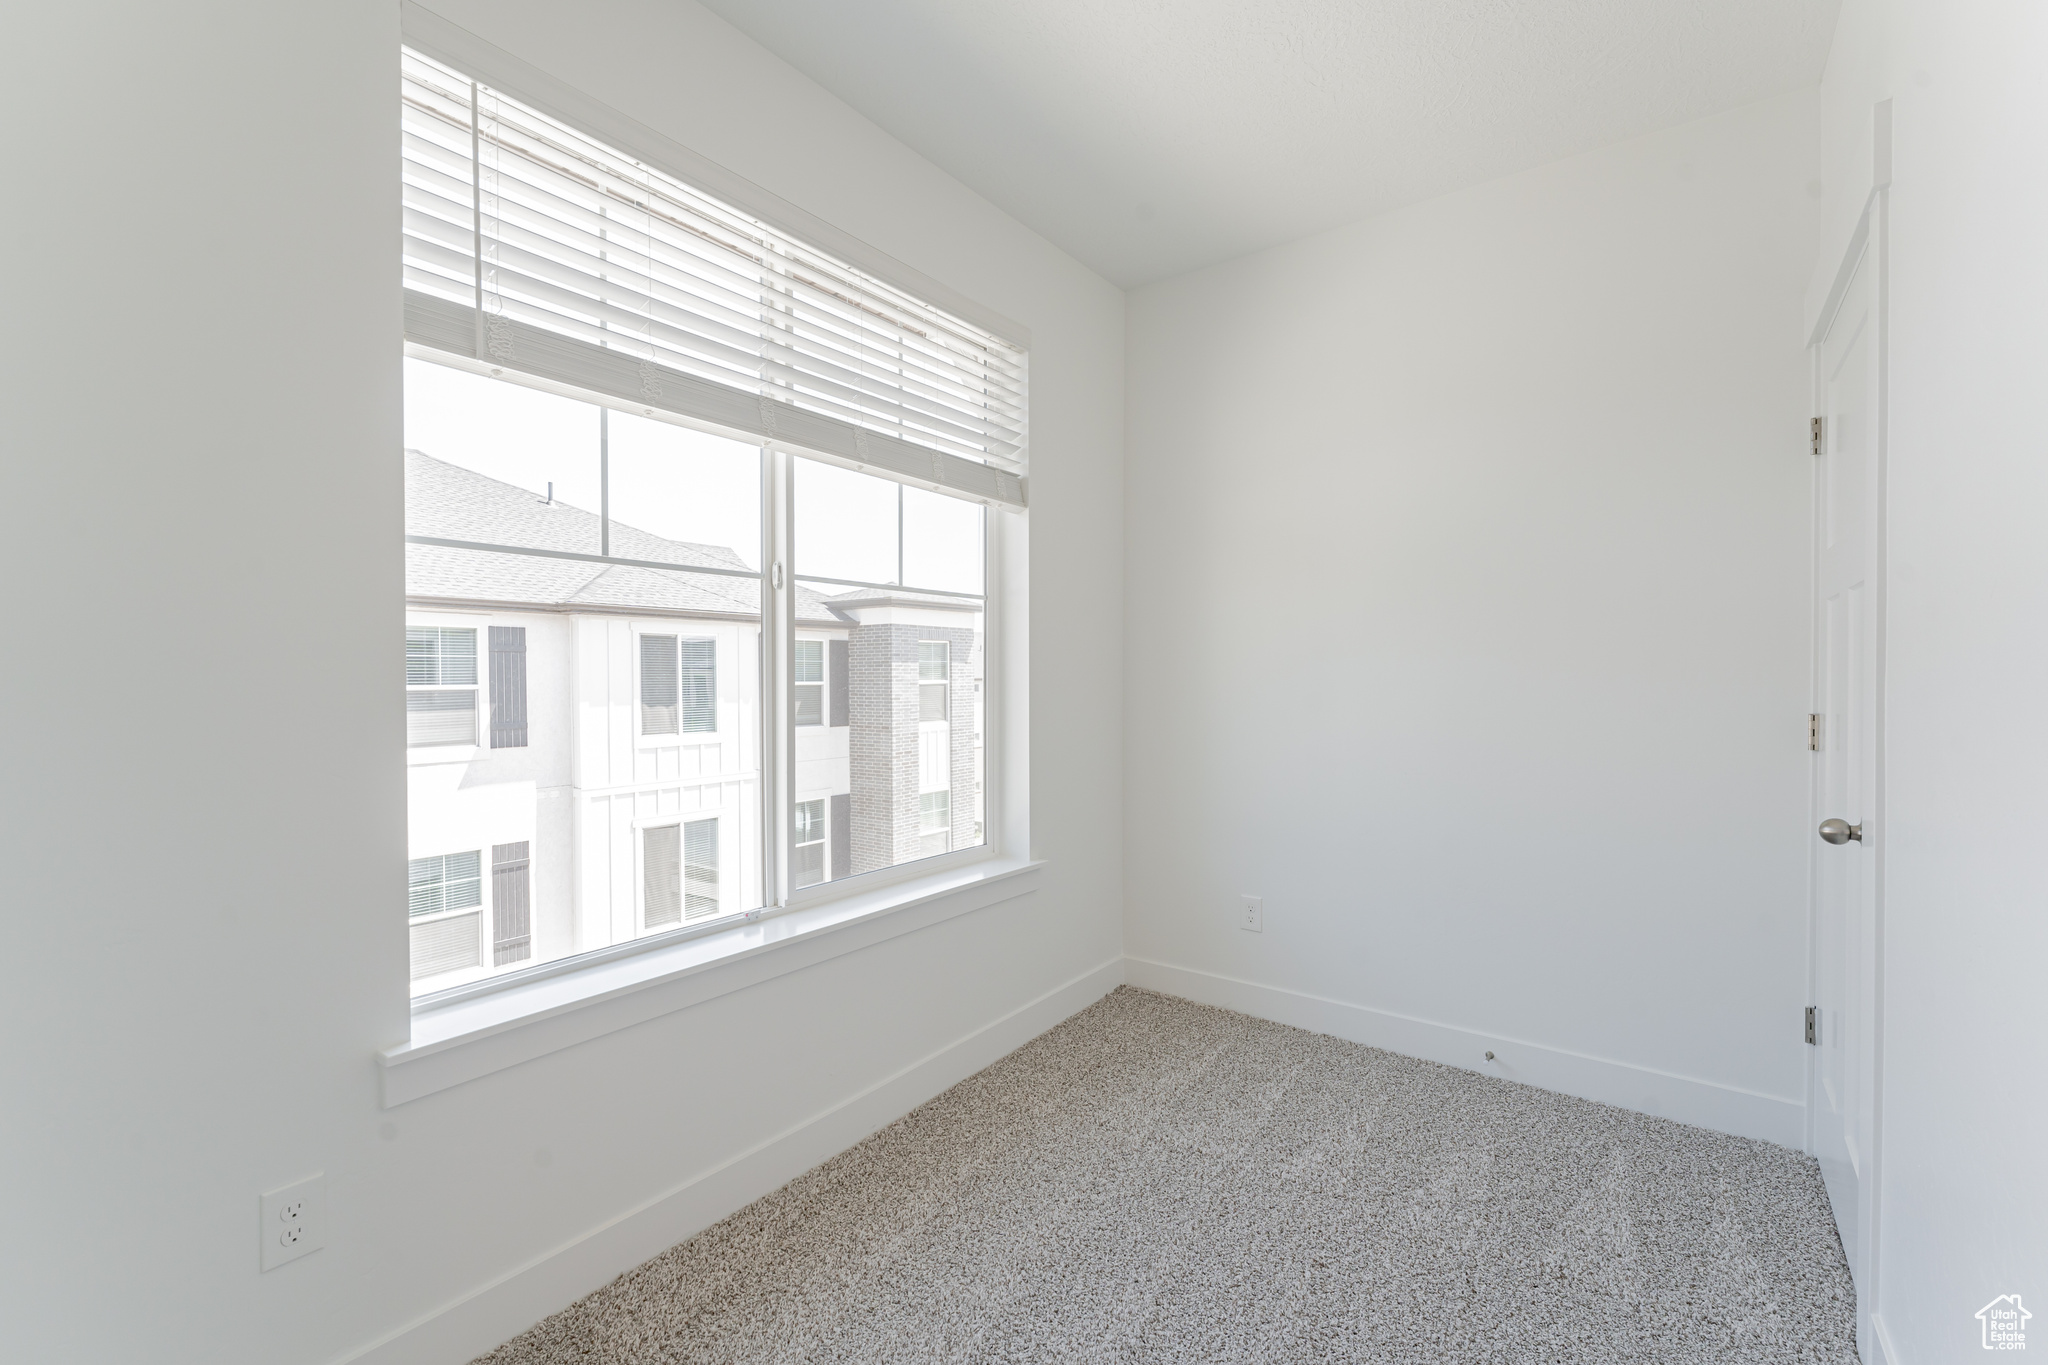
point(626, 782)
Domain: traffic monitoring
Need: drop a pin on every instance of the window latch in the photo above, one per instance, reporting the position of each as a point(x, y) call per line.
point(775, 576)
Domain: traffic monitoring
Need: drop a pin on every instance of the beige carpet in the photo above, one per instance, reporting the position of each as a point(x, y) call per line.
point(1160, 1181)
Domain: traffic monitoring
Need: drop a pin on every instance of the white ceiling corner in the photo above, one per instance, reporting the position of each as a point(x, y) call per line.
point(1149, 137)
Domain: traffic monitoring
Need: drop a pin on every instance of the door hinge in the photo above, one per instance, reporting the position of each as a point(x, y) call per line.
point(1813, 731)
point(1813, 1025)
point(1818, 431)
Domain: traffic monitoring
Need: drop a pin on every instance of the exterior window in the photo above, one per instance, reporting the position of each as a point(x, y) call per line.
point(807, 844)
point(700, 868)
point(440, 683)
point(453, 881)
point(933, 676)
point(935, 821)
point(661, 854)
point(678, 685)
point(657, 684)
point(935, 748)
point(446, 898)
point(679, 871)
point(810, 683)
point(699, 686)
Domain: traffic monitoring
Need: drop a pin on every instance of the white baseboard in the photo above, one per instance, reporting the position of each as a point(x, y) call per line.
point(466, 1328)
point(1705, 1104)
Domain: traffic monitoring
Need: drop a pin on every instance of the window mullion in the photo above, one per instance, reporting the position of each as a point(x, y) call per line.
point(778, 694)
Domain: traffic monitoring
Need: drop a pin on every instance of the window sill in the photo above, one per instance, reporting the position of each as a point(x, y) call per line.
point(465, 1039)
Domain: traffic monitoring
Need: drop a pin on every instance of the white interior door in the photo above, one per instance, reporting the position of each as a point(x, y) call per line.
point(1847, 607)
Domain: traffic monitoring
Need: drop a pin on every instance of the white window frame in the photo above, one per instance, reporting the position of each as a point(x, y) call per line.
point(1003, 709)
point(823, 684)
point(418, 618)
point(823, 843)
point(641, 829)
point(482, 911)
point(681, 629)
point(685, 926)
point(478, 688)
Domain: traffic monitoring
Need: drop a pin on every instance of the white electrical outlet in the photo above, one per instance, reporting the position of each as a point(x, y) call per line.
point(294, 1221)
point(1251, 914)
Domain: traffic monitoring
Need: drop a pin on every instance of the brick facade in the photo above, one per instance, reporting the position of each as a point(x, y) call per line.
point(883, 746)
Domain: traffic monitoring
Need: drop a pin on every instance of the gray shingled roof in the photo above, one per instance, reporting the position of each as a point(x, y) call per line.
point(454, 503)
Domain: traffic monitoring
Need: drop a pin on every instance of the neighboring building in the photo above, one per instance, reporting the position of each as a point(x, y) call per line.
point(583, 739)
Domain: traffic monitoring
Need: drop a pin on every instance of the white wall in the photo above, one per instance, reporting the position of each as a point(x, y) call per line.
point(1963, 1192)
point(1468, 569)
point(201, 434)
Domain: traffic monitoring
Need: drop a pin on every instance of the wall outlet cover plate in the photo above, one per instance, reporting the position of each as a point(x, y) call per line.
point(294, 1220)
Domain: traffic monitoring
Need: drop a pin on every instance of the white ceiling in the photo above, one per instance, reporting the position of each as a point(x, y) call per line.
point(1148, 137)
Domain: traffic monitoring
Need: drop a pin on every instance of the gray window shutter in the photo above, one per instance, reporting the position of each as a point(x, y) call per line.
point(840, 828)
point(511, 896)
point(661, 857)
point(508, 688)
point(836, 690)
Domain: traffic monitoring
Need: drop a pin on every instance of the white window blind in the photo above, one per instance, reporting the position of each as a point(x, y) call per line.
point(700, 868)
point(440, 678)
point(452, 881)
point(534, 248)
point(661, 875)
point(657, 684)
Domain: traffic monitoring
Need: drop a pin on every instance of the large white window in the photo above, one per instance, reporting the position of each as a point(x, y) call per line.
point(697, 520)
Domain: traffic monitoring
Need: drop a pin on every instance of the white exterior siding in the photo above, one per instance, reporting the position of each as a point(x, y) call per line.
point(472, 798)
point(821, 761)
point(822, 750)
point(587, 782)
point(626, 781)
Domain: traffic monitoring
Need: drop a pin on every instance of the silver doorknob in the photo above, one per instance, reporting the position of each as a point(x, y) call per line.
point(1840, 831)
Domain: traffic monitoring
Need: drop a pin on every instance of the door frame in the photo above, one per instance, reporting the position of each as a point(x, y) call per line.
point(1868, 247)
